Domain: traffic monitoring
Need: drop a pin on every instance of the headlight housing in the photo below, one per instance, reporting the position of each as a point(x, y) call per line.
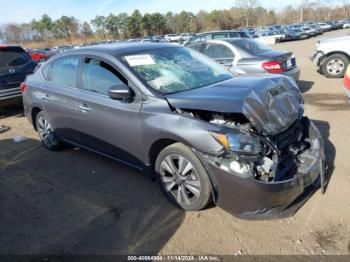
point(239, 142)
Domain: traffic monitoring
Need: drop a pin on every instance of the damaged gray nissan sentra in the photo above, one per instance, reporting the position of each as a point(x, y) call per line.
point(240, 142)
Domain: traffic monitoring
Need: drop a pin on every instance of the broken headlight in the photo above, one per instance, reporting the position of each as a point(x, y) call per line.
point(239, 142)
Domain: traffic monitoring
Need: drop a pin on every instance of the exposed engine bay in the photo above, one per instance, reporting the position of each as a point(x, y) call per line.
point(281, 156)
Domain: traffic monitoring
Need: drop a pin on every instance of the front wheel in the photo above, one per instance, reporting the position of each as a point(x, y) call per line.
point(46, 132)
point(335, 65)
point(183, 178)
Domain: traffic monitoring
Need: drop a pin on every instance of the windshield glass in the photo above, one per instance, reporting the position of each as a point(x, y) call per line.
point(175, 69)
point(250, 45)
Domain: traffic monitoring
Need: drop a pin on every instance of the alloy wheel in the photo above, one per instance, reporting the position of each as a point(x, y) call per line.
point(45, 131)
point(335, 67)
point(180, 179)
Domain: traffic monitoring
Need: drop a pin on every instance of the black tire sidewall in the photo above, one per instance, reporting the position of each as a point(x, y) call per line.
point(186, 152)
point(331, 57)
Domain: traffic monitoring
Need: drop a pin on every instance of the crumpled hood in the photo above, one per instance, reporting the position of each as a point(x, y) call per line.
point(271, 103)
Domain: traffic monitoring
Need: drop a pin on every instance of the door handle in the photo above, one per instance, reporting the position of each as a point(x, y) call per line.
point(84, 108)
point(47, 98)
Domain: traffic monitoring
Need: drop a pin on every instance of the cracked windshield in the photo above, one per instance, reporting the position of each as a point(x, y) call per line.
point(171, 70)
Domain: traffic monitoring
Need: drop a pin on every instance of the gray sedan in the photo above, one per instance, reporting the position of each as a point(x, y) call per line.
point(247, 56)
point(240, 142)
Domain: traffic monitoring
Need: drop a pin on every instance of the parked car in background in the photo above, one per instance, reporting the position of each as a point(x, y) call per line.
point(15, 65)
point(332, 56)
point(242, 143)
point(309, 31)
point(346, 24)
point(172, 38)
point(346, 83)
point(325, 27)
point(185, 37)
point(317, 28)
point(159, 38)
point(247, 56)
point(49, 51)
point(38, 56)
point(297, 33)
point(216, 35)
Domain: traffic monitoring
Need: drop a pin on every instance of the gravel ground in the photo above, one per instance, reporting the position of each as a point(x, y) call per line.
point(74, 202)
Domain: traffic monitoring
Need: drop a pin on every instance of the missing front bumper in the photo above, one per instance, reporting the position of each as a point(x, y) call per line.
point(249, 198)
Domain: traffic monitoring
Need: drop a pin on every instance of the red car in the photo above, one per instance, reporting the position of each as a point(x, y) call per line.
point(38, 56)
point(346, 82)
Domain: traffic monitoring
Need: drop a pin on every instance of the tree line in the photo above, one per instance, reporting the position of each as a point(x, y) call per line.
point(124, 26)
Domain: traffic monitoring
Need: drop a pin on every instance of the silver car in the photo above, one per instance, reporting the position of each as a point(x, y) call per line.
point(247, 56)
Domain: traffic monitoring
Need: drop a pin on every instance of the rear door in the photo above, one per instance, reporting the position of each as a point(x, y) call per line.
point(15, 65)
point(61, 96)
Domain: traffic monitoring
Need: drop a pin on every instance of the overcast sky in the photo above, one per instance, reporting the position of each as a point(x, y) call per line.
point(19, 11)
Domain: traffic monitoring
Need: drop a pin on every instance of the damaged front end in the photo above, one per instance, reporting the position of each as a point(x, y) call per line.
point(273, 175)
point(272, 156)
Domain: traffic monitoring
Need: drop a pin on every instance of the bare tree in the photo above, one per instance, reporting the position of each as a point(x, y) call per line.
point(345, 7)
point(248, 7)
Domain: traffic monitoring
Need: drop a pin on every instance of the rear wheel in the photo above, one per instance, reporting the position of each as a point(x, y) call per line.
point(335, 65)
point(46, 132)
point(183, 178)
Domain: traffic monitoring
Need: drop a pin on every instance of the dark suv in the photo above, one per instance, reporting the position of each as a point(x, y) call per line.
point(15, 65)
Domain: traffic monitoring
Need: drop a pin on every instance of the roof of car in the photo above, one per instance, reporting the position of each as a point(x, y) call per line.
point(221, 31)
point(123, 47)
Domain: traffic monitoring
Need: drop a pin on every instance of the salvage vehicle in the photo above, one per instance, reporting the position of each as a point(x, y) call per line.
point(247, 56)
point(240, 142)
point(346, 83)
point(15, 65)
point(332, 56)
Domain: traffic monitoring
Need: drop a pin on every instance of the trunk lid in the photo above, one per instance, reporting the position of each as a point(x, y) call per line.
point(286, 59)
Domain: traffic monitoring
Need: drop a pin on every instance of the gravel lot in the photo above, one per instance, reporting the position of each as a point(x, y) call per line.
point(74, 202)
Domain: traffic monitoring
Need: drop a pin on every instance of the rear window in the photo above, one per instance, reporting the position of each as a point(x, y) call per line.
point(13, 56)
point(251, 46)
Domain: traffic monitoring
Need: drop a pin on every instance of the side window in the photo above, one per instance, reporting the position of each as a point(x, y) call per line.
point(65, 70)
point(234, 34)
point(220, 36)
point(45, 71)
point(196, 46)
point(200, 38)
point(217, 51)
point(99, 76)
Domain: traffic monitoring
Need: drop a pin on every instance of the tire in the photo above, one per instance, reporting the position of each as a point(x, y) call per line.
point(334, 66)
point(190, 189)
point(46, 133)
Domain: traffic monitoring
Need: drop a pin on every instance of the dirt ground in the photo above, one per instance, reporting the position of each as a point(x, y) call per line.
point(74, 202)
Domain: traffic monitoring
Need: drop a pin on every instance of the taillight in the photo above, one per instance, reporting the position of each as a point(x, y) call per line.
point(23, 87)
point(273, 67)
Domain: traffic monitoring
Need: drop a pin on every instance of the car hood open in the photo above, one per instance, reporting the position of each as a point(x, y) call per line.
point(271, 103)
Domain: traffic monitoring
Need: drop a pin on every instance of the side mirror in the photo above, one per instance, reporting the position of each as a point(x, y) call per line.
point(119, 92)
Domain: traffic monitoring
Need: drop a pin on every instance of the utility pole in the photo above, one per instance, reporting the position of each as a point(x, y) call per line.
point(301, 11)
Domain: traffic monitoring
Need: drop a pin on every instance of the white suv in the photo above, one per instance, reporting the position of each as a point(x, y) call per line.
point(332, 56)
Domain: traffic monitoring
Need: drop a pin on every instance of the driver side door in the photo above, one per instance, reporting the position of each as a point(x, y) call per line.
point(110, 127)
